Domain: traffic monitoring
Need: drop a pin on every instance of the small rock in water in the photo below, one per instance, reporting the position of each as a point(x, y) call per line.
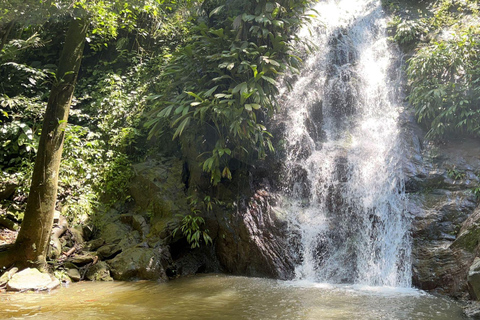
point(32, 279)
point(74, 274)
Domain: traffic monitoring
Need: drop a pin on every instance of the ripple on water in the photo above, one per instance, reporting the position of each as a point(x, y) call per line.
point(225, 297)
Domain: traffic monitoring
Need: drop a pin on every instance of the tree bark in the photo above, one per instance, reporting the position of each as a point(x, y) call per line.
point(34, 236)
point(6, 34)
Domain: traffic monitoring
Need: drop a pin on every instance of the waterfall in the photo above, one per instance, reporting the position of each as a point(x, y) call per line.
point(343, 189)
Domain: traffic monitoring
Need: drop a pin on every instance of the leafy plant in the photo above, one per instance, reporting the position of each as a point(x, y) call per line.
point(190, 226)
point(476, 192)
point(223, 82)
point(406, 32)
point(455, 174)
point(444, 78)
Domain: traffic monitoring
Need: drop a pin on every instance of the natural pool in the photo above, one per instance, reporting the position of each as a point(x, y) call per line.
point(226, 297)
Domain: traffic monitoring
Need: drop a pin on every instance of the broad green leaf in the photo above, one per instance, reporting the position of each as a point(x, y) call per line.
point(210, 92)
point(181, 127)
point(216, 10)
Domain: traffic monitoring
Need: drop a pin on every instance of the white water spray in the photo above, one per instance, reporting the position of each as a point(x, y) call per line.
point(344, 190)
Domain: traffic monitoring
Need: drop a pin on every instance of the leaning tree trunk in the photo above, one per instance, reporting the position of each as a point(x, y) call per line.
point(6, 34)
point(33, 239)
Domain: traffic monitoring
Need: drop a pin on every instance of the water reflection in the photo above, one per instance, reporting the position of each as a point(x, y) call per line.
point(225, 297)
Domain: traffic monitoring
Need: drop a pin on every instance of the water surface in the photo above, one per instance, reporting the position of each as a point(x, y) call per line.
point(226, 297)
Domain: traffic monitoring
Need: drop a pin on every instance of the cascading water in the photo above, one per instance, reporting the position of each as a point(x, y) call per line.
point(344, 192)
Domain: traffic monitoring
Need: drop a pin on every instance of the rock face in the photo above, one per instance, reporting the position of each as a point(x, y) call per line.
point(32, 279)
point(440, 182)
point(253, 240)
point(474, 279)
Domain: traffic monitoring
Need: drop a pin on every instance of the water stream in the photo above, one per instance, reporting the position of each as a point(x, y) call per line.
point(344, 193)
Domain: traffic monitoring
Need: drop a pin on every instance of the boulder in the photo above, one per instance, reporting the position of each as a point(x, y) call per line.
point(140, 263)
point(74, 274)
point(77, 234)
point(137, 222)
point(113, 232)
point(99, 272)
point(131, 239)
point(108, 251)
point(81, 259)
point(94, 244)
point(32, 279)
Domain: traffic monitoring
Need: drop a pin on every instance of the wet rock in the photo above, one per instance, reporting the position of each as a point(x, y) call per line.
point(439, 180)
point(439, 268)
point(87, 232)
point(74, 274)
point(32, 279)
point(140, 263)
point(98, 272)
point(439, 214)
point(253, 241)
point(472, 310)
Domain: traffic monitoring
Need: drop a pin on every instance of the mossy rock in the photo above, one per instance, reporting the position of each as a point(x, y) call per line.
point(469, 236)
point(99, 272)
point(157, 188)
point(114, 232)
point(140, 263)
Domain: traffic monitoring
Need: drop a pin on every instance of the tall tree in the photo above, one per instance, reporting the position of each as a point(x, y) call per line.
point(104, 18)
point(31, 246)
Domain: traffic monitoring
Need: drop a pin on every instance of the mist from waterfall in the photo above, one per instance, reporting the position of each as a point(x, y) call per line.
point(344, 192)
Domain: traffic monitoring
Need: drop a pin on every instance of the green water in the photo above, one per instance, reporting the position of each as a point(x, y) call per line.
point(225, 297)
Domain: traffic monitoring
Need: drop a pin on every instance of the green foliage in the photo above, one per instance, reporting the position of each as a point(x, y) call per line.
point(476, 192)
point(406, 32)
point(445, 85)
point(443, 40)
point(455, 174)
point(221, 85)
point(117, 175)
point(190, 226)
point(102, 133)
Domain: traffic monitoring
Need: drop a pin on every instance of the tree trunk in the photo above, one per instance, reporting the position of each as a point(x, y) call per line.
point(34, 236)
point(6, 34)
